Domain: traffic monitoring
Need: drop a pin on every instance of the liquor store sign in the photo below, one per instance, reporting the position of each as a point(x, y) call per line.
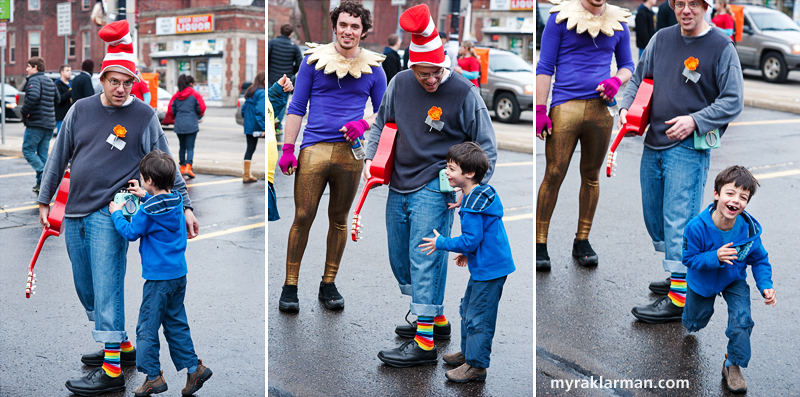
point(185, 24)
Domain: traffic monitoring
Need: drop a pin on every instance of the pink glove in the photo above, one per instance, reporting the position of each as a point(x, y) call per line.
point(542, 120)
point(355, 129)
point(287, 160)
point(611, 86)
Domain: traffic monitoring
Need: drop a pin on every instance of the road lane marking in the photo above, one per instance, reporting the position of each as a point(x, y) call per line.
point(10, 158)
point(30, 207)
point(776, 174)
point(229, 231)
point(21, 174)
point(517, 217)
point(215, 182)
point(787, 121)
point(514, 164)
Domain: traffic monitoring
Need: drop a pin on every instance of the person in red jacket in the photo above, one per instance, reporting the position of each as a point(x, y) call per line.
point(724, 18)
point(468, 64)
point(140, 89)
point(186, 107)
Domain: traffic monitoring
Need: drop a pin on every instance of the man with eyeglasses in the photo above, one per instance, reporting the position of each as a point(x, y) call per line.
point(579, 56)
point(104, 136)
point(698, 88)
point(434, 109)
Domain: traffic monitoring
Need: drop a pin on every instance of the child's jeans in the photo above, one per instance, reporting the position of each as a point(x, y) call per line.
point(478, 319)
point(698, 311)
point(162, 305)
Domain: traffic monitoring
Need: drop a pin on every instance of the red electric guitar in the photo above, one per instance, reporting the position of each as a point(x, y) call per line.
point(55, 219)
point(380, 172)
point(636, 121)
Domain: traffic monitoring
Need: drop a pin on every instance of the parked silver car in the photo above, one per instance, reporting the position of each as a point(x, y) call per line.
point(770, 42)
point(509, 90)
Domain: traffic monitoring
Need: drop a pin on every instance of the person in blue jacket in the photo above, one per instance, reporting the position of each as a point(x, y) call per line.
point(488, 256)
point(718, 245)
point(160, 225)
point(253, 112)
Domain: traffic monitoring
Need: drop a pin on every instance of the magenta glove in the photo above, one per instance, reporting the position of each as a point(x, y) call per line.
point(355, 129)
point(542, 120)
point(287, 160)
point(611, 86)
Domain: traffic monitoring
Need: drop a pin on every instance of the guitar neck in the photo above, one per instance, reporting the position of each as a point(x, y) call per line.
point(45, 234)
point(371, 182)
point(618, 139)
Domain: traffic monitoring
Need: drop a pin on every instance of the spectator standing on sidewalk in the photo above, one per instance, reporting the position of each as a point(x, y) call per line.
point(254, 122)
point(724, 18)
point(391, 65)
point(468, 64)
point(82, 83)
point(645, 24)
point(665, 17)
point(64, 86)
point(140, 89)
point(283, 58)
point(39, 116)
point(187, 108)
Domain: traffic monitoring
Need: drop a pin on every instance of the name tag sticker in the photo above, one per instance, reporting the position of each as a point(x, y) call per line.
point(115, 142)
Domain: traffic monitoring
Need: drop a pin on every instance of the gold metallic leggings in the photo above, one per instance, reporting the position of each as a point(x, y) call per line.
point(319, 165)
point(589, 122)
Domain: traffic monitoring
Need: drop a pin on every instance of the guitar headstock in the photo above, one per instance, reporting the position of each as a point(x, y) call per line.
point(31, 285)
point(355, 228)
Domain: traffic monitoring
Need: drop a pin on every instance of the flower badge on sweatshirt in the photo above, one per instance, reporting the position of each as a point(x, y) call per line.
point(433, 119)
point(689, 72)
point(115, 138)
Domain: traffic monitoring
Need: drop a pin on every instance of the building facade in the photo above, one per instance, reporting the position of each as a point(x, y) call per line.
point(505, 24)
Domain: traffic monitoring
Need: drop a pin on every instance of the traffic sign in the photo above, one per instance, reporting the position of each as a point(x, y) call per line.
point(3, 42)
point(64, 13)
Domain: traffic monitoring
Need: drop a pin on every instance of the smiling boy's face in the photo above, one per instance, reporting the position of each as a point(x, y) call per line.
point(731, 201)
point(457, 177)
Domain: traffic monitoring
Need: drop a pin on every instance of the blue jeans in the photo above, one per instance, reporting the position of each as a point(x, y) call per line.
point(186, 147)
point(99, 258)
point(698, 311)
point(272, 207)
point(35, 148)
point(162, 305)
point(58, 126)
point(672, 183)
point(479, 318)
point(409, 218)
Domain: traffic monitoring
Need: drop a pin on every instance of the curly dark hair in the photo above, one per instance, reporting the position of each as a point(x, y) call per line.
point(356, 10)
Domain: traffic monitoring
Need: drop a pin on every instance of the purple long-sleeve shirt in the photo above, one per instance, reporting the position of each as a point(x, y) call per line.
point(333, 102)
point(583, 61)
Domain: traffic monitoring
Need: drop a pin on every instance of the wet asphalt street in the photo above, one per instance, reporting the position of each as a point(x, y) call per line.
point(585, 328)
point(321, 353)
point(42, 338)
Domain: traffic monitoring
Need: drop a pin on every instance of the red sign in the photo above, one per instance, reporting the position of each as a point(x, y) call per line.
point(195, 24)
point(522, 5)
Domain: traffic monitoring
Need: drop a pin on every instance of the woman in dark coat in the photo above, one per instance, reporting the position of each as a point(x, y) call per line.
point(186, 107)
point(254, 121)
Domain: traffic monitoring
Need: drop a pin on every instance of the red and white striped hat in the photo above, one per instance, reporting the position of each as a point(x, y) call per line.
point(120, 49)
point(426, 46)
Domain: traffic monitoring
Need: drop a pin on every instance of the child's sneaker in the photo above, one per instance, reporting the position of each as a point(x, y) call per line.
point(454, 358)
point(734, 379)
point(154, 386)
point(195, 380)
point(466, 373)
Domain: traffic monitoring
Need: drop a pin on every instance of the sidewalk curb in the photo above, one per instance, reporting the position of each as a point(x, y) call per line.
point(516, 146)
point(769, 104)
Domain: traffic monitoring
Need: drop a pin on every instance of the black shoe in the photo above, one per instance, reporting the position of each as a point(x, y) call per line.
point(660, 311)
point(440, 332)
point(330, 296)
point(36, 189)
point(288, 301)
point(660, 287)
point(96, 359)
point(582, 252)
point(542, 259)
point(96, 383)
point(408, 355)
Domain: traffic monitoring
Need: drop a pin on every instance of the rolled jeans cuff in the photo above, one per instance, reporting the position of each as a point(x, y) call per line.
point(109, 336)
point(406, 289)
point(427, 310)
point(673, 266)
point(90, 314)
point(660, 246)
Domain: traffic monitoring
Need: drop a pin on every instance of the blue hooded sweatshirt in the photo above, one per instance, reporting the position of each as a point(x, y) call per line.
point(708, 276)
point(161, 225)
point(483, 237)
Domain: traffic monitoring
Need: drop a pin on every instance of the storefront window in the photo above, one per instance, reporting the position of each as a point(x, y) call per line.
point(184, 67)
point(201, 71)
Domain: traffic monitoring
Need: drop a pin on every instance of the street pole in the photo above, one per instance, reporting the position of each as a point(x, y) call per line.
point(66, 51)
point(3, 94)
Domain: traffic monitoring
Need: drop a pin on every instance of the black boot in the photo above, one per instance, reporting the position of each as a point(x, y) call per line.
point(660, 311)
point(288, 301)
point(440, 332)
point(330, 296)
point(96, 383)
point(542, 259)
point(96, 359)
point(660, 287)
point(582, 252)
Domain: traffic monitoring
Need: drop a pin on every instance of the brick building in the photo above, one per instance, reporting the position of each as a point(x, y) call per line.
point(506, 24)
point(220, 45)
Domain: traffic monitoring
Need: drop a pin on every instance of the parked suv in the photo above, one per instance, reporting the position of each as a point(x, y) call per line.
point(509, 90)
point(770, 43)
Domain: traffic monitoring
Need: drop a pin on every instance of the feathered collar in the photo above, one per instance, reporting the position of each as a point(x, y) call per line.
point(327, 57)
point(581, 20)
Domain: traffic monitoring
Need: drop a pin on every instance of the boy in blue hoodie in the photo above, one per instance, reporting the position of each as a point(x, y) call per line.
point(488, 255)
point(160, 225)
point(718, 245)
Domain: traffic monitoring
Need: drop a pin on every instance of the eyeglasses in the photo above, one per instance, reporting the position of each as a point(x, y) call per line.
point(693, 5)
point(116, 83)
point(425, 76)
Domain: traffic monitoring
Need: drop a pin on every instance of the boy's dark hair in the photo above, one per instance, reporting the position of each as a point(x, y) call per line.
point(160, 167)
point(37, 62)
point(356, 10)
point(471, 158)
point(740, 177)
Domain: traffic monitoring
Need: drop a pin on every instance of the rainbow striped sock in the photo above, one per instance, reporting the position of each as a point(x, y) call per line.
point(677, 289)
point(424, 336)
point(439, 321)
point(111, 361)
point(126, 346)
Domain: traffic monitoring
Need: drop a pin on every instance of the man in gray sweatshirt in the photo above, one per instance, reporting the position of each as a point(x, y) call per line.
point(697, 88)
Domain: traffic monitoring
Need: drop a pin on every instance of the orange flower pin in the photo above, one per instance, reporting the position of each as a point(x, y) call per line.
point(120, 131)
point(691, 63)
point(435, 113)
